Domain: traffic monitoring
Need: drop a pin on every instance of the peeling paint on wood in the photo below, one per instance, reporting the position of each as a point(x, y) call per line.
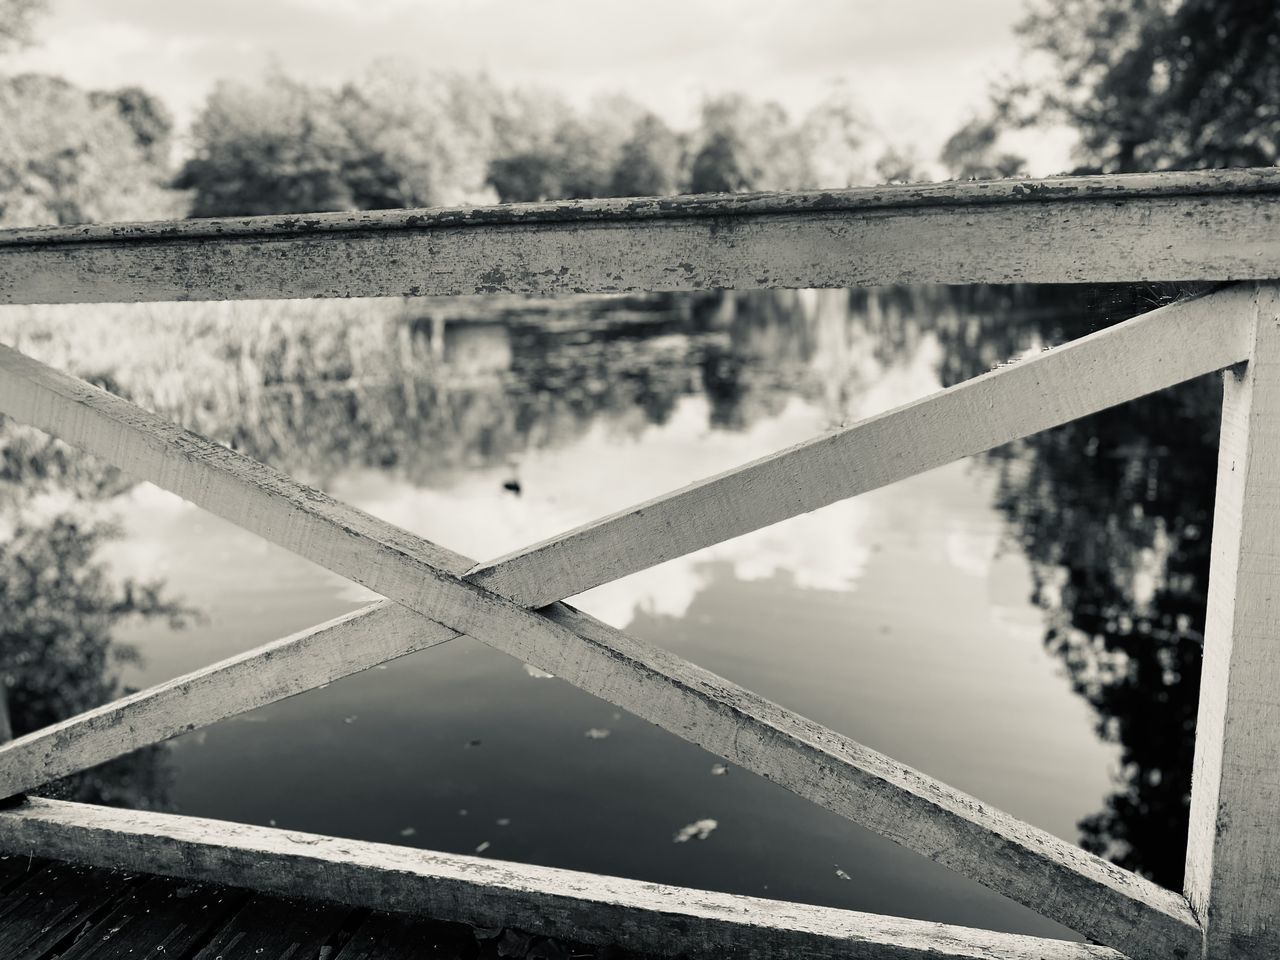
point(585, 907)
point(1198, 226)
point(952, 193)
point(1233, 847)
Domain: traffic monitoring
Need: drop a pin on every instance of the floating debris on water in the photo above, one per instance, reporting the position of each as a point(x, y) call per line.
point(408, 832)
point(462, 812)
point(350, 719)
point(483, 847)
point(840, 873)
point(537, 674)
point(719, 769)
point(503, 821)
point(700, 829)
point(471, 743)
point(597, 733)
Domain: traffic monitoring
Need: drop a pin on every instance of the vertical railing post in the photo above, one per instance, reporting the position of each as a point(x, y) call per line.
point(1233, 848)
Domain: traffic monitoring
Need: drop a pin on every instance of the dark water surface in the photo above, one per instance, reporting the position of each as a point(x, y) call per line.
point(1024, 625)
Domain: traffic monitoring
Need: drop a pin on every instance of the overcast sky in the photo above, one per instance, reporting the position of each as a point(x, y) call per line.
point(919, 68)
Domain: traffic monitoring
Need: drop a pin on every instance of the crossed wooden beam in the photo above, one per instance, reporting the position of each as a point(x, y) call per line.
point(514, 604)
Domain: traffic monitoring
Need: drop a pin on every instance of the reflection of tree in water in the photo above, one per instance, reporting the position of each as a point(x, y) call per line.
point(59, 607)
point(1114, 511)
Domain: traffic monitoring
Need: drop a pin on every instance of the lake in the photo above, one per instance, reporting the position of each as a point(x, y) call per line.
point(1024, 625)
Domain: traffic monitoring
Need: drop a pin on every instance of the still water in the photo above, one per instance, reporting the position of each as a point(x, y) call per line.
point(1022, 625)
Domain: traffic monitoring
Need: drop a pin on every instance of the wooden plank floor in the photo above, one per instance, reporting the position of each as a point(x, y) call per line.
point(52, 910)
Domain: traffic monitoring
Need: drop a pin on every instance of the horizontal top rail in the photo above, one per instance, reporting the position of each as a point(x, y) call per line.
point(951, 193)
point(1179, 226)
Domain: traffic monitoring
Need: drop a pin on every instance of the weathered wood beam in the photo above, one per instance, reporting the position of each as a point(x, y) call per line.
point(1206, 225)
point(1060, 880)
point(1140, 356)
point(1233, 847)
point(585, 907)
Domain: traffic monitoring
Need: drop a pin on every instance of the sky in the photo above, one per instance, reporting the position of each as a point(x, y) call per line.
point(917, 68)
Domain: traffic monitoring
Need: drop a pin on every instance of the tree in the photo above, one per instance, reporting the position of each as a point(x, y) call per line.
point(274, 148)
point(650, 161)
point(145, 114)
point(417, 140)
point(834, 137)
point(972, 153)
point(17, 21)
point(547, 151)
point(1156, 84)
point(67, 156)
point(899, 165)
point(744, 145)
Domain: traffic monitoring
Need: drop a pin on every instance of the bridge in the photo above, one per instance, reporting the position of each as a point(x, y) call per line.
point(1218, 227)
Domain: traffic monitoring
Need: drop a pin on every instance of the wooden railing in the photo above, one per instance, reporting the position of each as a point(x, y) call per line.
point(1192, 226)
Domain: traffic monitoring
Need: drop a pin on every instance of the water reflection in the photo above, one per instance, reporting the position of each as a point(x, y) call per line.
point(1115, 511)
point(60, 606)
point(902, 614)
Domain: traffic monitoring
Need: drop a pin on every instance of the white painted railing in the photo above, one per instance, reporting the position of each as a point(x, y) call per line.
point(1204, 226)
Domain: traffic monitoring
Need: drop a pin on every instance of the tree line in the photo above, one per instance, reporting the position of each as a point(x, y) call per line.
point(1145, 84)
point(401, 138)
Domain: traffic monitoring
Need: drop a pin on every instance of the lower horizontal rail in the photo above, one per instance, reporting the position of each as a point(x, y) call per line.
point(581, 906)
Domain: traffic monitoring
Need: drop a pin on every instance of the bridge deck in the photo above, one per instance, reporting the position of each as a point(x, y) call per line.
point(53, 910)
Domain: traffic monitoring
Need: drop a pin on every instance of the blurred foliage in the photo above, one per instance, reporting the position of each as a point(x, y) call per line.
point(390, 139)
point(973, 153)
point(69, 156)
point(900, 165)
point(17, 22)
point(73, 156)
point(396, 138)
point(1155, 84)
point(59, 607)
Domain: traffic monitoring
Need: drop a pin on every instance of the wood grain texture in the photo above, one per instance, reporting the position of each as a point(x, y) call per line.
point(579, 906)
point(348, 644)
point(1233, 849)
point(267, 927)
point(1056, 878)
point(162, 919)
point(57, 905)
point(1202, 226)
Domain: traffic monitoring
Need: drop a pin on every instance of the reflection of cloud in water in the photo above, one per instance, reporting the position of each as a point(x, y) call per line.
point(602, 473)
point(973, 550)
